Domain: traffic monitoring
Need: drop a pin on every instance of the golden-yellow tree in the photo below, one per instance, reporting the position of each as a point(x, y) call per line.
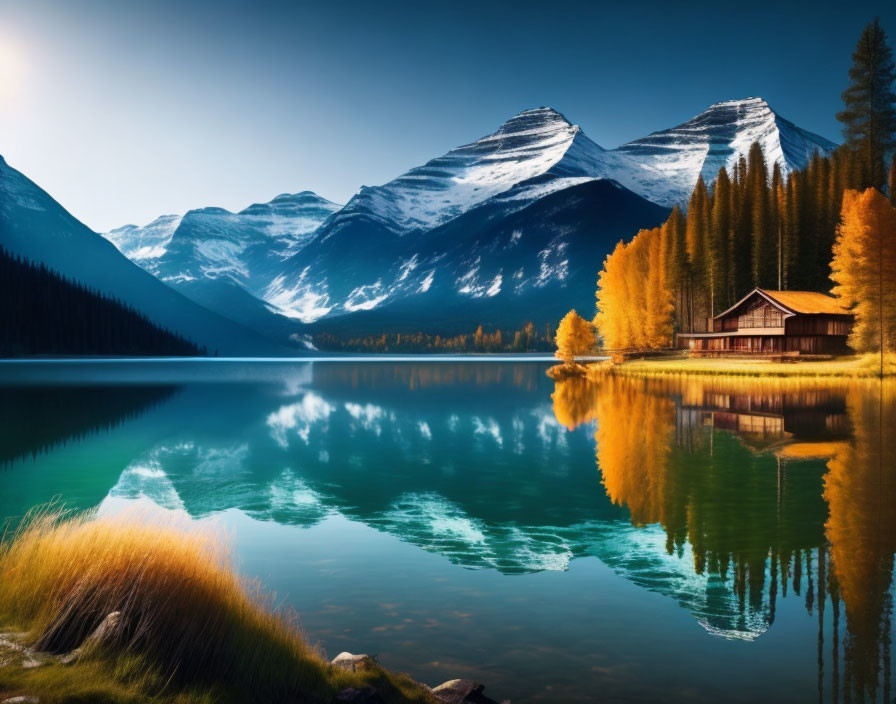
point(575, 337)
point(864, 268)
point(634, 293)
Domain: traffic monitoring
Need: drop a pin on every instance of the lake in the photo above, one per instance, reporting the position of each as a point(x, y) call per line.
point(614, 540)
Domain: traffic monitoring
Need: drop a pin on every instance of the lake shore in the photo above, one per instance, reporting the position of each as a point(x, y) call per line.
point(852, 367)
point(134, 608)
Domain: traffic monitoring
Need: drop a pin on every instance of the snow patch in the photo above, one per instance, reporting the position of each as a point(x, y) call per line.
point(299, 301)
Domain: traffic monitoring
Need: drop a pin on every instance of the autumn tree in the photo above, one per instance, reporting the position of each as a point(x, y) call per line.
point(528, 334)
point(864, 268)
point(575, 337)
point(612, 319)
point(635, 302)
point(869, 114)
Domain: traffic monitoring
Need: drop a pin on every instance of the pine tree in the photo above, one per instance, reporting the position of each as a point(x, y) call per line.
point(739, 248)
point(718, 243)
point(869, 117)
point(762, 250)
point(677, 275)
point(891, 180)
point(779, 219)
point(696, 227)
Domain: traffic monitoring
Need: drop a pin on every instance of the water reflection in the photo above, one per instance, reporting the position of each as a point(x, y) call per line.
point(765, 486)
point(33, 420)
point(723, 497)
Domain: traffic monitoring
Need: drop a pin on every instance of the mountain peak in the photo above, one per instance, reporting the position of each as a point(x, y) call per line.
point(533, 121)
point(670, 161)
point(750, 102)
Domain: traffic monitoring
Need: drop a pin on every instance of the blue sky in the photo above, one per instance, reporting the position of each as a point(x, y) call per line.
point(124, 110)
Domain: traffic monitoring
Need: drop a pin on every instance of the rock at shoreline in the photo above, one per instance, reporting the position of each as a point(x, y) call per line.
point(353, 663)
point(360, 695)
point(462, 692)
point(101, 633)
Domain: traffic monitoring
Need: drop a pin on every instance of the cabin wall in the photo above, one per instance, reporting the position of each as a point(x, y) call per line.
point(816, 344)
point(819, 325)
point(771, 344)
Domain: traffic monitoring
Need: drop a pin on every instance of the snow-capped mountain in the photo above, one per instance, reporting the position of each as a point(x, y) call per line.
point(529, 145)
point(37, 228)
point(514, 224)
point(225, 261)
point(489, 265)
point(214, 242)
point(386, 244)
point(664, 166)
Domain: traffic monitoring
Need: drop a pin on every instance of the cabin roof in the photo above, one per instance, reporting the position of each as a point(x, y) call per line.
point(806, 302)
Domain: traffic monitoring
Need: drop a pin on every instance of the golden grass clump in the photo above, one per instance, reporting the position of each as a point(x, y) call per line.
point(186, 616)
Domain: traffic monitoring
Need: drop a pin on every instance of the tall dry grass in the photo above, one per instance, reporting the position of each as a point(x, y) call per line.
point(185, 613)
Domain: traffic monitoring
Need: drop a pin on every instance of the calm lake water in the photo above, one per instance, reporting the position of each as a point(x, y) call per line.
point(617, 540)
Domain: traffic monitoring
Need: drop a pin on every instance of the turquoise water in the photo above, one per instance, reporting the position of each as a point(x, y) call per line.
point(616, 540)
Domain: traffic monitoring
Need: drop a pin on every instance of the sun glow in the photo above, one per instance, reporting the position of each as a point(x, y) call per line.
point(12, 69)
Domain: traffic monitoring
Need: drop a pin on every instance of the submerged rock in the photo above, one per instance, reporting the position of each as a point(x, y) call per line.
point(462, 692)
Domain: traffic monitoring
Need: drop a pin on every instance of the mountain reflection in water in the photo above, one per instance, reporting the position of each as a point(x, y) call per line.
point(724, 497)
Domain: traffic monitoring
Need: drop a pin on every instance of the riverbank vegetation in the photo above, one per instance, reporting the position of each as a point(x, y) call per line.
point(188, 628)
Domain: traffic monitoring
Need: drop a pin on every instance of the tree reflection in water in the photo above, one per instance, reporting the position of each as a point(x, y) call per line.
point(772, 485)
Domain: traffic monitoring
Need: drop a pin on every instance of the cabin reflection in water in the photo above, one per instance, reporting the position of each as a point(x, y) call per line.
point(770, 487)
point(771, 419)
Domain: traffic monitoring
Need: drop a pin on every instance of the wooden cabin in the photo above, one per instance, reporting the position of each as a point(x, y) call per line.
point(775, 323)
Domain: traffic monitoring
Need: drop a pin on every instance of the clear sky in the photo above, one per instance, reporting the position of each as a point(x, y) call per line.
point(124, 110)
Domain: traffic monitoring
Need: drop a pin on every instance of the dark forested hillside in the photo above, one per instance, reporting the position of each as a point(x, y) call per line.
point(44, 313)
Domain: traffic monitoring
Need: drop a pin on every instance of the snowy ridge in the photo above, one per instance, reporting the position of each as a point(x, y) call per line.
point(528, 145)
point(664, 166)
point(212, 243)
point(145, 245)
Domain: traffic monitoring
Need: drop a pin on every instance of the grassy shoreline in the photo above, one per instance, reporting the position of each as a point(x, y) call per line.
point(855, 367)
point(134, 608)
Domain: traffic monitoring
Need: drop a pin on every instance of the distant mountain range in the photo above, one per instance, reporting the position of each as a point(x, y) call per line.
point(509, 228)
point(35, 227)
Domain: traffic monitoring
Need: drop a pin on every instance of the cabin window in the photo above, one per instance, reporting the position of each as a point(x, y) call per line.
point(761, 315)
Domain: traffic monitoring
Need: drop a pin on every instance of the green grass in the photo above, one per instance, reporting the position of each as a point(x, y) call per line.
point(853, 367)
point(191, 629)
